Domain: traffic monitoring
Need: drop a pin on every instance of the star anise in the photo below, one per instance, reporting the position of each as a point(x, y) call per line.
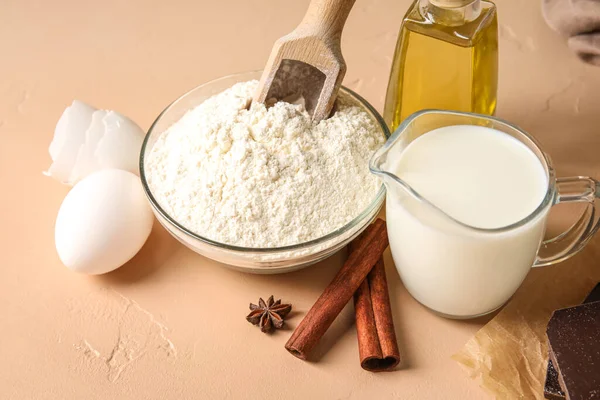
point(268, 315)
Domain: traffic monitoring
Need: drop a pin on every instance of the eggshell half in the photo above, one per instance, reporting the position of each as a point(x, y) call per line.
point(87, 140)
point(86, 163)
point(121, 144)
point(103, 222)
point(69, 135)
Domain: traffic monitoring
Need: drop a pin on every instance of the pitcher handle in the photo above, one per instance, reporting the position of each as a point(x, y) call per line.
point(580, 189)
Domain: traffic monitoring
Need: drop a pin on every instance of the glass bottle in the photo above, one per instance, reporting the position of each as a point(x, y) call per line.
point(446, 58)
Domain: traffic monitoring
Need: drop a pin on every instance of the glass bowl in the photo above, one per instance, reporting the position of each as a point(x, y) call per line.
point(255, 260)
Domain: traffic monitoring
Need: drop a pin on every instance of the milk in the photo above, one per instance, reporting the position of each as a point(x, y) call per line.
point(477, 179)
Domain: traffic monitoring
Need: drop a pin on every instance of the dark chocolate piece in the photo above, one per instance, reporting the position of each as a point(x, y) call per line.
point(574, 339)
point(552, 389)
point(594, 295)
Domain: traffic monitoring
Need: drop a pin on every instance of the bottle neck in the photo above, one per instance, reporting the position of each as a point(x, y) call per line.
point(450, 12)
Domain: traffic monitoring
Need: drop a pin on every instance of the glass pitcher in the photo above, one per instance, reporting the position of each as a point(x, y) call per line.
point(460, 271)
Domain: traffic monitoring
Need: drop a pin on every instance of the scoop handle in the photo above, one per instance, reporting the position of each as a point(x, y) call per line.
point(326, 18)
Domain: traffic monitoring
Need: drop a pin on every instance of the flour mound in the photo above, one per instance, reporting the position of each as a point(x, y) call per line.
point(263, 177)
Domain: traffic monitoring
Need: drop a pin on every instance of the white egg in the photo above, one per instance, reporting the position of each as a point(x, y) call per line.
point(103, 222)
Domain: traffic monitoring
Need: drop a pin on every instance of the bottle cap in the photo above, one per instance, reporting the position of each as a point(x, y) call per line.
point(451, 3)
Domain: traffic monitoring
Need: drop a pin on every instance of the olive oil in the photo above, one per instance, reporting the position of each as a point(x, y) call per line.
point(446, 58)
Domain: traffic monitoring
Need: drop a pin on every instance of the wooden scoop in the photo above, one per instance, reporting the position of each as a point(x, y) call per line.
point(307, 63)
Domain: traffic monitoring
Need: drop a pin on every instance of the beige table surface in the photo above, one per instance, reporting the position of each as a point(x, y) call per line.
point(170, 324)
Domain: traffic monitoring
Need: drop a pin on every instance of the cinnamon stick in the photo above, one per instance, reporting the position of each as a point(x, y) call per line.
point(319, 318)
point(377, 345)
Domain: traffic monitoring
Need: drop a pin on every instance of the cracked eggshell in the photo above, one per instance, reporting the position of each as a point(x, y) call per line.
point(121, 144)
point(85, 165)
point(103, 222)
point(87, 140)
point(69, 136)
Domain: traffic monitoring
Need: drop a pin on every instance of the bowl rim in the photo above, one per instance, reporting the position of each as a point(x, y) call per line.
point(376, 203)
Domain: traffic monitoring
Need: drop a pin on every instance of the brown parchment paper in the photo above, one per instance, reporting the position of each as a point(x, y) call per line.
point(509, 354)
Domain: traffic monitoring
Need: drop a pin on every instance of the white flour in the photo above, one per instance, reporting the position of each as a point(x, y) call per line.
point(264, 177)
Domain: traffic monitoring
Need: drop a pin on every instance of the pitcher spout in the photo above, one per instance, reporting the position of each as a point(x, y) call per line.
point(385, 164)
point(382, 161)
point(379, 166)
